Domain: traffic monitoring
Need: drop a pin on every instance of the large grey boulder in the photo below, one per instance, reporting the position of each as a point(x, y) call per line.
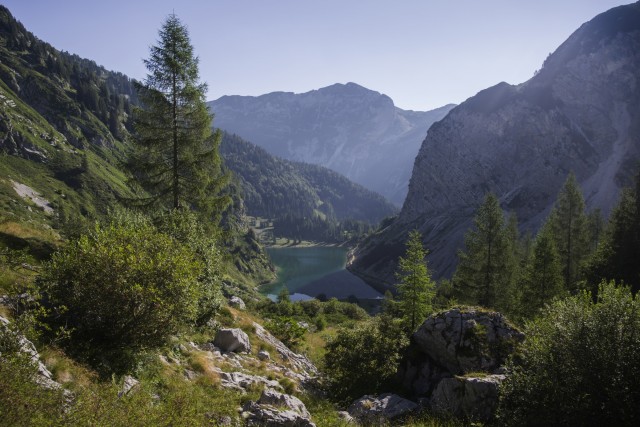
point(467, 340)
point(232, 340)
point(275, 409)
point(378, 409)
point(470, 397)
point(237, 302)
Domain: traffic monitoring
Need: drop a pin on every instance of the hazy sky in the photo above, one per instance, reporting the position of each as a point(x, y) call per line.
point(422, 53)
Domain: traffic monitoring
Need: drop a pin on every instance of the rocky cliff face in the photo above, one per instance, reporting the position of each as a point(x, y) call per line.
point(580, 113)
point(348, 128)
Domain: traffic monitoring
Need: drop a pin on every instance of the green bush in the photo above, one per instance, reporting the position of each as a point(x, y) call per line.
point(287, 330)
point(364, 359)
point(121, 289)
point(579, 365)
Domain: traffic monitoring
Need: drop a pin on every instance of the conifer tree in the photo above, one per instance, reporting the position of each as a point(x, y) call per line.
point(416, 290)
point(176, 157)
point(568, 223)
point(484, 269)
point(618, 255)
point(543, 279)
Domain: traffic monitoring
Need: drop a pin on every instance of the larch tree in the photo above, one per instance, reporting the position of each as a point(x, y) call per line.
point(176, 159)
point(568, 223)
point(416, 290)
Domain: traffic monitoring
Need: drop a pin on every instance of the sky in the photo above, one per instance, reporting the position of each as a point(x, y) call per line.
point(421, 53)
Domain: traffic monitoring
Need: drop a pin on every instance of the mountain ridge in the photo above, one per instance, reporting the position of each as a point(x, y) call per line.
point(353, 130)
point(580, 113)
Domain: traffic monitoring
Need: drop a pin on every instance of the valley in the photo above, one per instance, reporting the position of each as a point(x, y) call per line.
point(323, 258)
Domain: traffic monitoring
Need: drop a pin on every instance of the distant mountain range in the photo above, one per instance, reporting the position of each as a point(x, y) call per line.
point(64, 133)
point(352, 130)
point(580, 113)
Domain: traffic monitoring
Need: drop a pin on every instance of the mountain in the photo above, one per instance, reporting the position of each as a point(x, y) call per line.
point(580, 113)
point(275, 188)
point(62, 122)
point(344, 127)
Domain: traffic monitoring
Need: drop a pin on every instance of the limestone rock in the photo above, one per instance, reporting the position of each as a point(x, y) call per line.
point(128, 384)
point(470, 397)
point(232, 340)
point(237, 302)
point(276, 409)
point(242, 381)
point(303, 365)
point(273, 398)
point(387, 406)
point(467, 340)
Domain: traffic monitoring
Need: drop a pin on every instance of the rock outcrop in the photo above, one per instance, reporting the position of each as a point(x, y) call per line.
point(43, 376)
point(579, 113)
point(468, 397)
point(232, 340)
point(275, 409)
point(456, 361)
point(379, 409)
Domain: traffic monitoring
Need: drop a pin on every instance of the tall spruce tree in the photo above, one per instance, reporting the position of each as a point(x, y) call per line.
point(543, 277)
point(176, 158)
point(568, 223)
point(485, 266)
point(618, 255)
point(416, 290)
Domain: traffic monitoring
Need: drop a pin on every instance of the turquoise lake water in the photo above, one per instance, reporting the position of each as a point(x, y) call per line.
point(313, 271)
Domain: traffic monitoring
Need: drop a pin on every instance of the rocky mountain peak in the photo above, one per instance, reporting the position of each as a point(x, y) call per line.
point(579, 113)
point(353, 130)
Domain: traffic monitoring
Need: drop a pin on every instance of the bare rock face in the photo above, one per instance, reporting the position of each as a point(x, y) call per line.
point(469, 397)
point(232, 340)
point(456, 359)
point(277, 409)
point(579, 113)
point(378, 409)
point(463, 341)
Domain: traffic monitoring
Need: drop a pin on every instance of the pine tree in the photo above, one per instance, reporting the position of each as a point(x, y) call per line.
point(543, 279)
point(568, 223)
point(176, 157)
point(416, 290)
point(484, 269)
point(618, 254)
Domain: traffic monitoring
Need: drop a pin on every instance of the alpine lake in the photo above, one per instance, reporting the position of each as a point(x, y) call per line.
point(317, 271)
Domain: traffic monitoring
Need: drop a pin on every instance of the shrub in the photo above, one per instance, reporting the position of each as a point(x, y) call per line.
point(121, 289)
point(580, 364)
point(287, 330)
point(364, 359)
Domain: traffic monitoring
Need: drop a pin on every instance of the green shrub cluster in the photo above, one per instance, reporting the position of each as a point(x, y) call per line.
point(125, 287)
point(579, 365)
point(364, 359)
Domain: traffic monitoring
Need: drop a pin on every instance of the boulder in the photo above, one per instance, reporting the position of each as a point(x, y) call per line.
point(275, 409)
point(242, 382)
point(474, 398)
point(273, 398)
point(128, 384)
point(232, 340)
point(467, 340)
point(237, 302)
point(372, 409)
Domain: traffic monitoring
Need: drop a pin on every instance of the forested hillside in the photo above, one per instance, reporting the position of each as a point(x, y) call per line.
point(300, 194)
